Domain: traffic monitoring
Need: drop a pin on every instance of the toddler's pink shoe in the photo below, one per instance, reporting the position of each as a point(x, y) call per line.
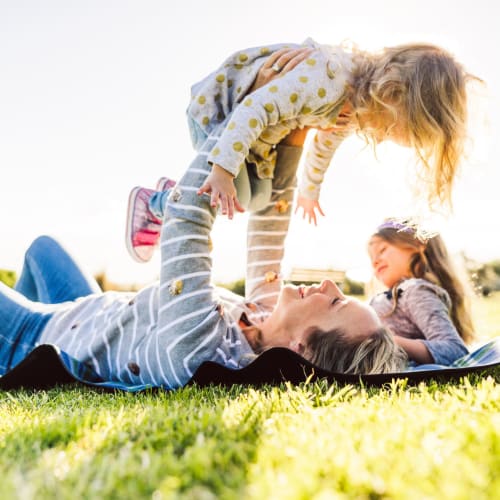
point(143, 228)
point(142, 231)
point(164, 183)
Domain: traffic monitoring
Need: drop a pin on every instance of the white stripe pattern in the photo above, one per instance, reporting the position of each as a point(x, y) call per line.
point(161, 334)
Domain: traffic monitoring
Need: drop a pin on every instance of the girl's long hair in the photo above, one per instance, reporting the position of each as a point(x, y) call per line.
point(432, 262)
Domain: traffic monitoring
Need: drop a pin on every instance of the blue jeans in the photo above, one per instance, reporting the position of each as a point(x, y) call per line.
point(49, 276)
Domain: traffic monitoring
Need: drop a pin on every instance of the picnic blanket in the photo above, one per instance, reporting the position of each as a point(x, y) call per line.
point(47, 367)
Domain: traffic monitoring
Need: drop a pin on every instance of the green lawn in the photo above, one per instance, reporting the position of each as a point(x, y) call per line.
point(312, 441)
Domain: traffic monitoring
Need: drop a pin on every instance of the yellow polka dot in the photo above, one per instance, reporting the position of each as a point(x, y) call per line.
point(247, 102)
point(294, 97)
point(328, 143)
point(176, 287)
point(202, 99)
point(220, 78)
point(319, 155)
point(253, 122)
point(266, 171)
point(330, 73)
point(281, 206)
point(311, 62)
point(270, 276)
point(305, 110)
point(311, 187)
point(264, 51)
point(238, 66)
point(210, 244)
point(215, 151)
point(206, 120)
point(238, 146)
point(231, 126)
point(238, 90)
point(316, 170)
point(230, 83)
point(243, 57)
point(269, 107)
point(266, 135)
point(273, 89)
point(321, 92)
point(303, 79)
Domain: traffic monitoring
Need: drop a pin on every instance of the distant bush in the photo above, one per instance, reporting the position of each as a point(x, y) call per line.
point(351, 287)
point(8, 277)
point(484, 277)
point(237, 286)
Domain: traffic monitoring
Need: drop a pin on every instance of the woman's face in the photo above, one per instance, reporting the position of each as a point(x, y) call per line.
point(390, 263)
point(326, 308)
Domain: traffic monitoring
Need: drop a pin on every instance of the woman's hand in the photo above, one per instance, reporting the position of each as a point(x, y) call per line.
point(309, 207)
point(220, 184)
point(277, 64)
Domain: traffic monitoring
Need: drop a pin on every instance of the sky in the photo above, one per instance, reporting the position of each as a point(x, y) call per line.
point(92, 102)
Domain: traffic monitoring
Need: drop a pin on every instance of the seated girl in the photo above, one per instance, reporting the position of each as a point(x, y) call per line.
point(425, 304)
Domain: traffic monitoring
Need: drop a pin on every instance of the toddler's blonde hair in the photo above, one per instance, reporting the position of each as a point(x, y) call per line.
point(425, 86)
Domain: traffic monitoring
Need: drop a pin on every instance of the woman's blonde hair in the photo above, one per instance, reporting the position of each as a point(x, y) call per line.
point(431, 261)
point(425, 86)
point(336, 352)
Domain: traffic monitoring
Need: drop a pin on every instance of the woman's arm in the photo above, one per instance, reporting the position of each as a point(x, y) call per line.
point(267, 228)
point(190, 324)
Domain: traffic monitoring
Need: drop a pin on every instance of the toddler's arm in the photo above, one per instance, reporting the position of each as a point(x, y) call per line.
point(309, 207)
point(318, 160)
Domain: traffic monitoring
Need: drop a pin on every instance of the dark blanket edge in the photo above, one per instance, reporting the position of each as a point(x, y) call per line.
point(44, 369)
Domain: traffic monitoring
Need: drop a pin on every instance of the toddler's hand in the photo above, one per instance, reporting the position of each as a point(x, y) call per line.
point(220, 185)
point(309, 207)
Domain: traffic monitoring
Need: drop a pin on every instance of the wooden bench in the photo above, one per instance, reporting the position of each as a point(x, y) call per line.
point(304, 275)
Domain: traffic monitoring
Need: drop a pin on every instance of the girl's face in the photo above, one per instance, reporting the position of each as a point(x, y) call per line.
point(390, 263)
point(386, 130)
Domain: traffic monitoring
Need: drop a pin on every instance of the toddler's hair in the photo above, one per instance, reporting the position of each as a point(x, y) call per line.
point(426, 87)
point(433, 263)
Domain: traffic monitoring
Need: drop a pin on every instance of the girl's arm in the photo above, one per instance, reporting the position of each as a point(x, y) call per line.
point(415, 348)
point(427, 306)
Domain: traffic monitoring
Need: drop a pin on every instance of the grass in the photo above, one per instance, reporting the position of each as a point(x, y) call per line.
point(311, 441)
